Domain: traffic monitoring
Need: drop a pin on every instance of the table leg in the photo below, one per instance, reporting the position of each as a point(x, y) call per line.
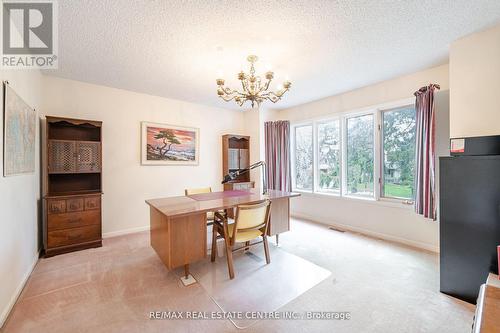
point(186, 270)
point(277, 240)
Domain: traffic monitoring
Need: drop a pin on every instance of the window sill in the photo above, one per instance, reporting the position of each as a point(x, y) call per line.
point(392, 203)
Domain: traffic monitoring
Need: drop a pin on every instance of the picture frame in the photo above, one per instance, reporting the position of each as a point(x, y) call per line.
point(164, 144)
point(19, 134)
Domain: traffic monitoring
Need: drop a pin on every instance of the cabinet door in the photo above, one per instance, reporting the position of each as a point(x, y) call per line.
point(62, 156)
point(89, 156)
point(244, 157)
point(233, 160)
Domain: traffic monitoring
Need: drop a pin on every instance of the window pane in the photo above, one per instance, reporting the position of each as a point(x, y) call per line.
point(329, 156)
point(360, 155)
point(304, 157)
point(399, 153)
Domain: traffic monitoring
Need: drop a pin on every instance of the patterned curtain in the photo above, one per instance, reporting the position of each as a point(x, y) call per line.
point(277, 141)
point(425, 199)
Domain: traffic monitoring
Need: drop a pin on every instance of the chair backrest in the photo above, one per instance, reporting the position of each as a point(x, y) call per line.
point(253, 216)
point(191, 191)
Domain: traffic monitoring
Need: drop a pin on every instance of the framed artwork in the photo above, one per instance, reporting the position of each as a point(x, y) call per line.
point(169, 145)
point(19, 121)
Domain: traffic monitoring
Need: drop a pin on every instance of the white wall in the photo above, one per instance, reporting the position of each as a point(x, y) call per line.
point(19, 200)
point(126, 184)
point(254, 120)
point(251, 118)
point(383, 92)
point(386, 220)
point(475, 84)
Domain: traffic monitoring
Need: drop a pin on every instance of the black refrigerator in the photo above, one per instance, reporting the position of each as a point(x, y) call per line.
point(469, 216)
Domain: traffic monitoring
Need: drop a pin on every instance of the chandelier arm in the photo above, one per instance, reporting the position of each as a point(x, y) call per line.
point(267, 84)
point(279, 93)
point(245, 86)
point(274, 96)
point(270, 94)
point(274, 100)
point(229, 98)
point(229, 91)
point(259, 84)
point(232, 93)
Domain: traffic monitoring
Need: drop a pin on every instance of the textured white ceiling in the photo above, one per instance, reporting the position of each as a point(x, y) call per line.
point(177, 49)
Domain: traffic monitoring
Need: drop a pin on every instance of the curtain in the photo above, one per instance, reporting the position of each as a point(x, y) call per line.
point(277, 142)
point(425, 186)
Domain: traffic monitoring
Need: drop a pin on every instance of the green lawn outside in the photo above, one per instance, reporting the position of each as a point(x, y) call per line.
point(398, 191)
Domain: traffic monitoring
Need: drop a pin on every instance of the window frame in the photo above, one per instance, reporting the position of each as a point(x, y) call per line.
point(293, 153)
point(381, 156)
point(342, 117)
point(317, 188)
point(347, 116)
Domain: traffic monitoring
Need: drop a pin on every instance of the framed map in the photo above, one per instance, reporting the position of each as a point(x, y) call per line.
point(169, 145)
point(19, 134)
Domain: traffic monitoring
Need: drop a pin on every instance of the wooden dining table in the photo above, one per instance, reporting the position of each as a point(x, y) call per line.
point(178, 225)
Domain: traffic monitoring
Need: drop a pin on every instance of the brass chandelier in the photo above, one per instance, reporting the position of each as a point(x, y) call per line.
point(255, 89)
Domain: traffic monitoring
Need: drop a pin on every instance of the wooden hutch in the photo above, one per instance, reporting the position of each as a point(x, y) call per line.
point(72, 185)
point(235, 156)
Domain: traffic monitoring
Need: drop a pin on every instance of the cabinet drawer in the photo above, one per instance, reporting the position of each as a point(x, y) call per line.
point(74, 219)
point(74, 205)
point(56, 206)
point(73, 235)
point(92, 203)
point(243, 186)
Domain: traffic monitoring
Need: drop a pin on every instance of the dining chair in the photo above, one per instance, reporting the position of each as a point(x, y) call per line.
point(201, 190)
point(251, 222)
point(192, 191)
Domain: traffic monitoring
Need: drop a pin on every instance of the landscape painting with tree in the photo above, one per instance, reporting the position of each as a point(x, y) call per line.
point(166, 144)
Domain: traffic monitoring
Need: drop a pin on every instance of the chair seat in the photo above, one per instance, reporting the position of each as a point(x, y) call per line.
point(244, 235)
point(211, 215)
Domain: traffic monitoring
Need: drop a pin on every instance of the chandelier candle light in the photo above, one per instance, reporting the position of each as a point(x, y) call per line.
point(254, 89)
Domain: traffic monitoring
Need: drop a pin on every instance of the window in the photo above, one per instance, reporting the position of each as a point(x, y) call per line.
point(398, 154)
point(368, 154)
point(304, 157)
point(359, 149)
point(329, 156)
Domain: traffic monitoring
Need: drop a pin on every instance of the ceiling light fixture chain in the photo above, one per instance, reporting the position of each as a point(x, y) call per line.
point(253, 89)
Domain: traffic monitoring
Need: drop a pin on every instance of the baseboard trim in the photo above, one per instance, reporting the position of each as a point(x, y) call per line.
point(6, 311)
point(125, 231)
point(370, 233)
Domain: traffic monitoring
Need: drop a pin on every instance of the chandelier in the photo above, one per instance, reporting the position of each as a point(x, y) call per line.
point(255, 89)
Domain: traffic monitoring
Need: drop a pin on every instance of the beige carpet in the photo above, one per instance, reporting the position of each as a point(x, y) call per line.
point(386, 288)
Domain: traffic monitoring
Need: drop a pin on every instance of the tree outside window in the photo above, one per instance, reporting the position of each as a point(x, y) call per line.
point(398, 136)
point(304, 157)
point(329, 156)
point(360, 155)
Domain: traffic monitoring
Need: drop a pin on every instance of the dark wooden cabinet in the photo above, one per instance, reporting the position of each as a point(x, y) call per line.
point(235, 156)
point(72, 181)
point(67, 156)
